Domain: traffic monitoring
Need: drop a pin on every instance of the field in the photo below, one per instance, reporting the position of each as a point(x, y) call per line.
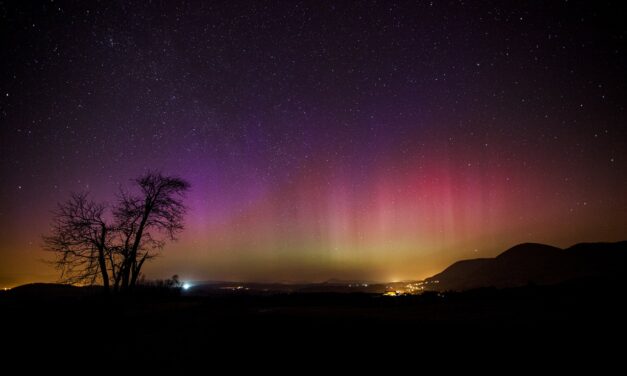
point(170, 331)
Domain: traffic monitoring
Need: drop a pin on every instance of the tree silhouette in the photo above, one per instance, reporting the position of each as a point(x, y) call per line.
point(145, 221)
point(80, 241)
point(94, 242)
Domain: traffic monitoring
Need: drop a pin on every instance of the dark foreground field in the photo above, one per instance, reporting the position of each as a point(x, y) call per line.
point(577, 321)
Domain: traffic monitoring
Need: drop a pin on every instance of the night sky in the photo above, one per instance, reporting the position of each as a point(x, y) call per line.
point(371, 140)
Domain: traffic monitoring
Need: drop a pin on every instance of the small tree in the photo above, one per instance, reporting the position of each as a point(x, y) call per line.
point(93, 242)
point(145, 220)
point(80, 241)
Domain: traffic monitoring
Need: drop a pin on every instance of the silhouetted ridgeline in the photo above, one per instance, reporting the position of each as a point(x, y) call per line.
point(540, 264)
point(52, 290)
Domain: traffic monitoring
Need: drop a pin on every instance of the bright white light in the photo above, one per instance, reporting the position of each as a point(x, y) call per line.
point(186, 286)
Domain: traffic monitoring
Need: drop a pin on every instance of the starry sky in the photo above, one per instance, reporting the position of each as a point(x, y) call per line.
point(375, 140)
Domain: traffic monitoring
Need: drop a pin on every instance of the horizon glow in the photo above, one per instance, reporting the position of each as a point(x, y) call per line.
point(322, 141)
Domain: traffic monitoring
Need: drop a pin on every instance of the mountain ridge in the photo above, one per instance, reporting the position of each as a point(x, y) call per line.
point(535, 263)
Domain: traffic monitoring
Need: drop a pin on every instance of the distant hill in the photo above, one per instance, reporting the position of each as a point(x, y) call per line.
point(51, 290)
point(540, 264)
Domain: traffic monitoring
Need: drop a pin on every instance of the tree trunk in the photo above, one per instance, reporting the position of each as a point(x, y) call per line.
point(136, 271)
point(131, 261)
point(116, 283)
point(103, 270)
point(101, 260)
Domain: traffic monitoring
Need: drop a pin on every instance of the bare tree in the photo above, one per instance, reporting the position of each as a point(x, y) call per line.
point(88, 249)
point(80, 240)
point(146, 220)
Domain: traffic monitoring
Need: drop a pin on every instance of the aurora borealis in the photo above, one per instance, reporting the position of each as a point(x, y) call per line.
point(370, 140)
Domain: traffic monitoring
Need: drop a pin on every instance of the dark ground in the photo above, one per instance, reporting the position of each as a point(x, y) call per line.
point(572, 324)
